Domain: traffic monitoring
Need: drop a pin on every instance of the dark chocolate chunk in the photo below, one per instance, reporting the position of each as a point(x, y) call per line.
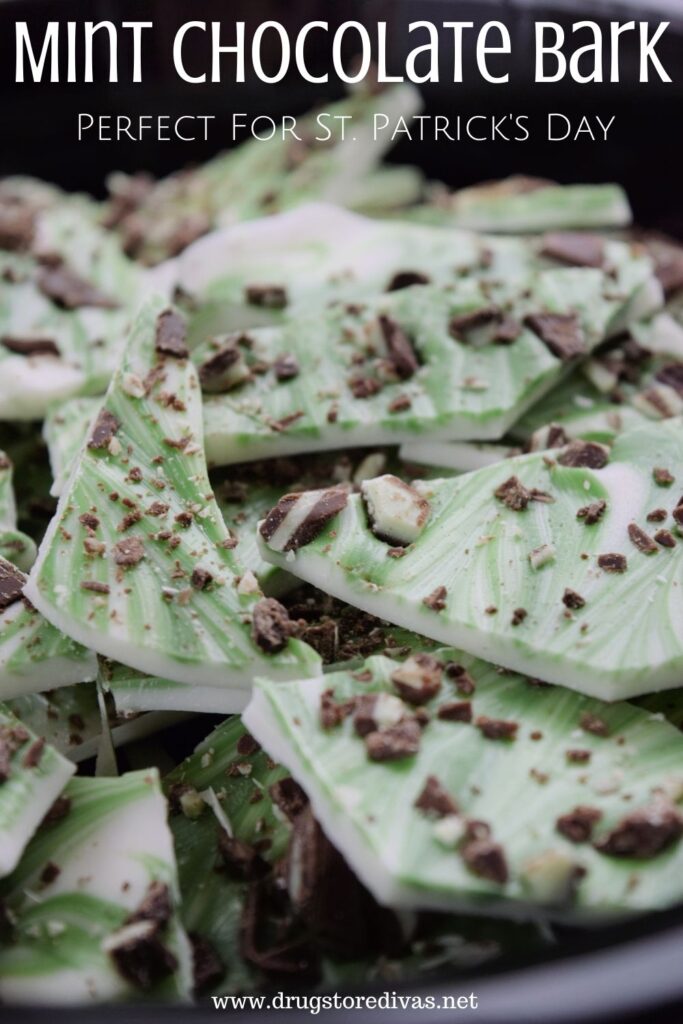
point(105, 428)
point(643, 833)
point(662, 477)
point(672, 375)
point(577, 825)
point(436, 600)
point(513, 494)
point(395, 743)
point(330, 502)
point(455, 711)
point(593, 724)
point(215, 372)
point(613, 562)
point(50, 873)
point(208, 968)
point(34, 754)
point(592, 513)
point(288, 795)
point(129, 552)
point(271, 626)
point(267, 296)
point(586, 454)
point(507, 331)
point(496, 728)
point(30, 346)
point(464, 683)
point(12, 583)
point(665, 538)
point(560, 332)
point(332, 711)
point(240, 859)
point(247, 745)
point(406, 279)
point(435, 800)
point(418, 679)
point(89, 520)
point(400, 404)
point(171, 335)
point(570, 599)
point(69, 291)
point(576, 756)
point(576, 249)
point(486, 859)
point(364, 721)
point(200, 578)
point(400, 351)
point(286, 367)
point(642, 540)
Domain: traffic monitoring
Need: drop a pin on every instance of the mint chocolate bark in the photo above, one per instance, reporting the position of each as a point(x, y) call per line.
point(566, 565)
point(92, 906)
point(32, 775)
point(138, 563)
point(460, 363)
point(449, 784)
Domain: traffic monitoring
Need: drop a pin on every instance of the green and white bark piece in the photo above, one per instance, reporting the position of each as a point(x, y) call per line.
point(390, 189)
point(15, 546)
point(34, 656)
point(147, 576)
point(79, 893)
point(544, 565)
point(492, 842)
point(400, 367)
point(519, 205)
point(65, 430)
point(259, 177)
point(32, 775)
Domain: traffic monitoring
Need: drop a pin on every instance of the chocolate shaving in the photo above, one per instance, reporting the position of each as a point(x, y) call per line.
point(560, 332)
point(105, 428)
point(271, 626)
point(400, 350)
point(171, 335)
point(214, 372)
point(95, 587)
point(435, 800)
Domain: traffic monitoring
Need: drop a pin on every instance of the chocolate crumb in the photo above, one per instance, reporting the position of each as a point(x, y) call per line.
point(570, 599)
point(577, 825)
point(592, 513)
point(286, 367)
point(643, 833)
point(271, 626)
point(266, 296)
point(436, 601)
point(171, 335)
point(486, 859)
point(418, 679)
point(34, 754)
point(129, 552)
point(395, 743)
point(30, 346)
point(658, 515)
point(400, 404)
point(662, 477)
point(513, 494)
point(406, 279)
point(518, 616)
point(50, 873)
point(95, 587)
point(593, 724)
point(576, 756)
point(665, 538)
point(464, 683)
point(496, 728)
point(200, 578)
point(584, 454)
point(105, 428)
point(288, 795)
point(400, 351)
point(435, 800)
point(641, 539)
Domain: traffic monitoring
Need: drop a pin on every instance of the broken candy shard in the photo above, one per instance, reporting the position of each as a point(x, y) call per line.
point(473, 818)
point(125, 586)
point(356, 388)
point(106, 877)
point(619, 640)
point(28, 786)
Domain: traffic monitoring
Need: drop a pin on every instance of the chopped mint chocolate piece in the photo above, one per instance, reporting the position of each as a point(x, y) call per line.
point(94, 902)
point(446, 829)
point(158, 523)
point(476, 546)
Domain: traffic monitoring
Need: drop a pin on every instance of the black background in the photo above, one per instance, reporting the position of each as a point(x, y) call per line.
point(644, 150)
